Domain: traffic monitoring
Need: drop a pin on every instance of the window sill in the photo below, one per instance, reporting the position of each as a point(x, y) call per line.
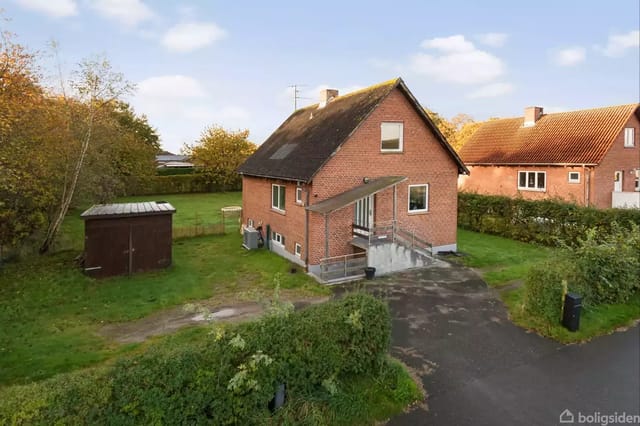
point(629, 146)
point(419, 212)
point(392, 152)
point(532, 189)
point(282, 212)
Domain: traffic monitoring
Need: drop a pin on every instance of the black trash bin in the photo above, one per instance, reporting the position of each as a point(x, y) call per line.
point(571, 313)
point(369, 272)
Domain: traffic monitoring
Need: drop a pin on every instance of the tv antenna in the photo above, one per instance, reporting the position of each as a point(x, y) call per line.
point(296, 94)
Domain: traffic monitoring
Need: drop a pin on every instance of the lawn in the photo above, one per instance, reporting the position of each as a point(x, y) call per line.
point(502, 261)
point(51, 313)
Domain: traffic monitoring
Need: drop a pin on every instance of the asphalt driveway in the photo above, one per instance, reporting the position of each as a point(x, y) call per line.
point(480, 369)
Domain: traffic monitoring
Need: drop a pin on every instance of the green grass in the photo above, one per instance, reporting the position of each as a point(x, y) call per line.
point(192, 210)
point(50, 312)
point(500, 260)
point(594, 321)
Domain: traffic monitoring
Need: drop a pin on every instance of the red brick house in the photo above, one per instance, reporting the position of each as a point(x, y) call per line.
point(363, 178)
point(588, 157)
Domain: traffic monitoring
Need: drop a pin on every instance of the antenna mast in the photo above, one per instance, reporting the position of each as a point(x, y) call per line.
point(296, 94)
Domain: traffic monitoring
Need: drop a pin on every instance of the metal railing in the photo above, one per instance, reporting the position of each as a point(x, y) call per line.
point(386, 232)
point(337, 267)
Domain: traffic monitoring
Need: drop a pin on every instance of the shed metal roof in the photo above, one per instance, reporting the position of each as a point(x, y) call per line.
point(351, 196)
point(147, 208)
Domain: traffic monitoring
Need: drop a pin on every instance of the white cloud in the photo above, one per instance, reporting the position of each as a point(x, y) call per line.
point(570, 56)
point(190, 36)
point(618, 44)
point(459, 61)
point(128, 12)
point(491, 90)
point(54, 8)
point(493, 39)
point(456, 43)
point(171, 87)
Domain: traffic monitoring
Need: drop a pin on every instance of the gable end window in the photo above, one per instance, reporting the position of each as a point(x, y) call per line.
point(418, 198)
point(629, 137)
point(532, 181)
point(391, 135)
point(277, 197)
point(298, 195)
point(574, 177)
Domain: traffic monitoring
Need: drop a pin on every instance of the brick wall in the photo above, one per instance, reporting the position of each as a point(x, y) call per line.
point(503, 180)
point(423, 160)
point(621, 159)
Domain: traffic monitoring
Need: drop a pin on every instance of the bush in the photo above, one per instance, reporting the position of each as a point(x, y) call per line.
point(175, 184)
point(547, 222)
point(543, 290)
point(228, 379)
point(169, 171)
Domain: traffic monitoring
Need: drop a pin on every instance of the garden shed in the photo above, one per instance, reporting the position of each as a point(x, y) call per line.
point(126, 238)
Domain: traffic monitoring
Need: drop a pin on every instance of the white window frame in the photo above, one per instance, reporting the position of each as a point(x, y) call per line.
point(298, 195)
point(250, 223)
point(536, 172)
point(277, 207)
point(401, 139)
point(629, 137)
point(277, 238)
point(298, 250)
point(569, 178)
point(426, 194)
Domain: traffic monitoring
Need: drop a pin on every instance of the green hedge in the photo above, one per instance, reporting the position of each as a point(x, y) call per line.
point(227, 379)
point(175, 184)
point(604, 268)
point(170, 171)
point(547, 222)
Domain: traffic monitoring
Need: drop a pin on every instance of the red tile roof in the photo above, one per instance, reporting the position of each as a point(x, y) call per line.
point(576, 137)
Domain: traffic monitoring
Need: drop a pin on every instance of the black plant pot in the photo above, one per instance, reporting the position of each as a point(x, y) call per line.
point(369, 272)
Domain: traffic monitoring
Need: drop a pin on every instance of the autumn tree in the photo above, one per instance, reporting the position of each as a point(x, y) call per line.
point(458, 130)
point(218, 154)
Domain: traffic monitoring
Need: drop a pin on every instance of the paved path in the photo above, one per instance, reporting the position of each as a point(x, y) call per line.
point(480, 369)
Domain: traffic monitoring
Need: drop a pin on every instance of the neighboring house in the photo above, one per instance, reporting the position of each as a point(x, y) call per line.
point(361, 178)
point(168, 160)
point(589, 157)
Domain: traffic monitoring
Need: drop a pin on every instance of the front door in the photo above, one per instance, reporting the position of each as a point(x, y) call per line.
point(363, 219)
point(617, 182)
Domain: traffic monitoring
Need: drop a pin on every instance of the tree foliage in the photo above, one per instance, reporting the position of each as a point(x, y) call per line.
point(219, 152)
point(456, 131)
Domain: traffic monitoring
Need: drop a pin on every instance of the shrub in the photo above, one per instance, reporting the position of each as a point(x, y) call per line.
point(543, 290)
point(226, 379)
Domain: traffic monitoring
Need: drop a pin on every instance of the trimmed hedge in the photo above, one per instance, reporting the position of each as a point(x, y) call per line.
point(170, 171)
point(546, 222)
point(227, 379)
point(175, 184)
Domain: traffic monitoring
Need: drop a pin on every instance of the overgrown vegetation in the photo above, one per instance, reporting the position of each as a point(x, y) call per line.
point(326, 355)
point(546, 222)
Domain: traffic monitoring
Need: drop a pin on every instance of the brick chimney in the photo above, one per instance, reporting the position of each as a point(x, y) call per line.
point(531, 115)
point(326, 96)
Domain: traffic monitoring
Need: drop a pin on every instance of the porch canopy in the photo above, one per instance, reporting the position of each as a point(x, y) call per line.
point(349, 197)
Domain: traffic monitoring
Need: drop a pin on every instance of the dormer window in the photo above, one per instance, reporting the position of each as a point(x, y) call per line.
point(391, 137)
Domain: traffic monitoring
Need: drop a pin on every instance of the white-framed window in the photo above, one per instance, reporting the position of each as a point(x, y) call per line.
point(637, 187)
point(298, 195)
point(574, 177)
point(391, 139)
point(250, 223)
point(298, 250)
point(532, 181)
point(629, 137)
point(277, 238)
point(418, 198)
point(277, 196)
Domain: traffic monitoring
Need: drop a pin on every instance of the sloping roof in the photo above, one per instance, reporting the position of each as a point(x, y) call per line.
point(171, 157)
point(354, 194)
point(108, 211)
point(299, 148)
point(575, 137)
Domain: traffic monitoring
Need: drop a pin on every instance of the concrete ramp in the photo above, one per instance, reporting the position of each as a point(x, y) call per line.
point(393, 257)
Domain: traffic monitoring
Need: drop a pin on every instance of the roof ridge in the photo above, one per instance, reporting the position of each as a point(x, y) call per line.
point(391, 82)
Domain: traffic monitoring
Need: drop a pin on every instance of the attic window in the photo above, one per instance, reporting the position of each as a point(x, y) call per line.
point(391, 137)
point(629, 136)
point(283, 151)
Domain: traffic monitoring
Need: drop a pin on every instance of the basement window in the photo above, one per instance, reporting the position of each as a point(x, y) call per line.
point(277, 238)
point(391, 137)
point(277, 197)
point(532, 181)
point(629, 137)
point(574, 177)
point(298, 250)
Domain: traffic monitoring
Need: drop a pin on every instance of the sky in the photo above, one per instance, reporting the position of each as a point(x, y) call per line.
point(202, 63)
